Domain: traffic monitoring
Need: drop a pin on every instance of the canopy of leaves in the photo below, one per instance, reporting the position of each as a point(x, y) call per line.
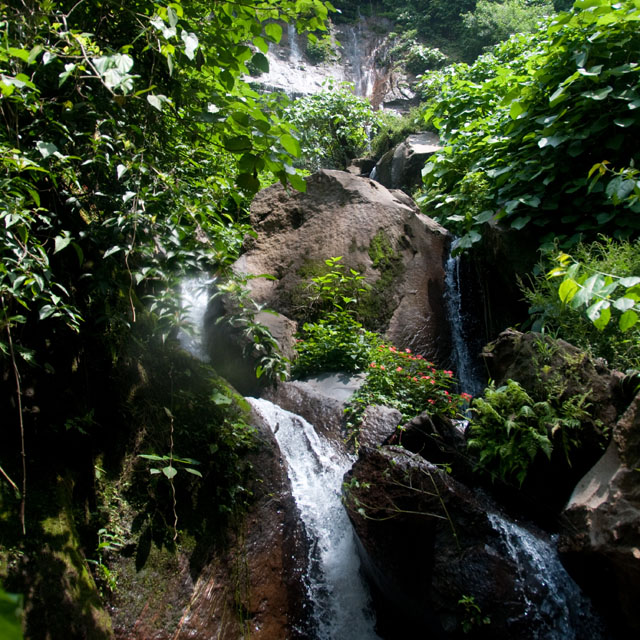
point(523, 127)
point(128, 142)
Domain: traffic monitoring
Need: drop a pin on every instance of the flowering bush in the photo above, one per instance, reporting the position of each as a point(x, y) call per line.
point(407, 382)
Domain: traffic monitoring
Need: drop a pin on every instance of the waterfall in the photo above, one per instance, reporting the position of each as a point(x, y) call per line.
point(464, 364)
point(560, 610)
point(294, 45)
point(355, 53)
point(336, 589)
point(194, 298)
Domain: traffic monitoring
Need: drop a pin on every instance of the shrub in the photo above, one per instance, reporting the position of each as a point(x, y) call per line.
point(407, 382)
point(606, 258)
point(509, 429)
point(333, 126)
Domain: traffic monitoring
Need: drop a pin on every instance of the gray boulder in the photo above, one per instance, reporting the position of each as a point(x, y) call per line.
point(401, 167)
point(601, 525)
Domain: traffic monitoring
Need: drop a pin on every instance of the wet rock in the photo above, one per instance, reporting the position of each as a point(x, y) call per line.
point(445, 563)
point(600, 538)
point(379, 423)
point(401, 167)
point(320, 400)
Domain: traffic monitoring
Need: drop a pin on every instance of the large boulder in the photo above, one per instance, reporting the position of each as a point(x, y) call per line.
point(401, 167)
point(378, 232)
point(445, 563)
point(600, 538)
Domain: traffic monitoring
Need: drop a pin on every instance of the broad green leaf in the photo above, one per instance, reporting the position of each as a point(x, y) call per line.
point(627, 320)
point(170, 472)
point(261, 44)
point(630, 282)
point(599, 94)
point(290, 144)
point(238, 143)
point(195, 472)
point(120, 170)
point(273, 31)
point(624, 304)
point(220, 399)
point(297, 182)
point(567, 290)
point(46, 149)
point(190, 44)
point(61, 242)
point(260, 62)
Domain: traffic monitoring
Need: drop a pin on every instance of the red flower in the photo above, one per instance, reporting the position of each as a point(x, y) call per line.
point(373, 365)
point(399, 369)
point(407, 350)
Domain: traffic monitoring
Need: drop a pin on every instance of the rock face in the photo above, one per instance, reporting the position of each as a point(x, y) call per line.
point(252, 587)
point(378, 232)
point(401, 167)
point(447, 564)
point(601, 532)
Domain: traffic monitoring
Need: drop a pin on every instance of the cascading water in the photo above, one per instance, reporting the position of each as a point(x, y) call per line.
point(554, 605)
point(194, 298)
point(294, 45)
point(337, 591)
point(464, 364)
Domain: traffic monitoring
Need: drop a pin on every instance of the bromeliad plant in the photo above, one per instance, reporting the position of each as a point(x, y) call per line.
point(407, 382)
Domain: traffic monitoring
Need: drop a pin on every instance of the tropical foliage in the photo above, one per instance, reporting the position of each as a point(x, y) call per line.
point(129, 144)
point(523, 127)
point(590, 299)
point(509, 429)
point(333, 126)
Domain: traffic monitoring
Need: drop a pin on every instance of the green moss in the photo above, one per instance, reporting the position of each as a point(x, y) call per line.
point(378, 304)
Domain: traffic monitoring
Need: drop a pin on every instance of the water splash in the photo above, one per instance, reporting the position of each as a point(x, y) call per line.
point(554, 605)
point(336, 589)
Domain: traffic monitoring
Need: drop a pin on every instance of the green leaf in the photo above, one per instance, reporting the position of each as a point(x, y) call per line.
point(46, 149)
point(62, 241)
point(600, 94)
point(220, 399)
point(567, 290)
point(237, 144)
point(624, 304)
point(260, 61)
point(273, 31)
point(261, 44)
point(290, 144)
point(195, 472)
point(170, 472)
point(190, 44)
point(297, 182)
point(627, 320)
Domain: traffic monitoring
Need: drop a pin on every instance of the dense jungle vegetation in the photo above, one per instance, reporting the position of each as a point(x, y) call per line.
point(131, 145)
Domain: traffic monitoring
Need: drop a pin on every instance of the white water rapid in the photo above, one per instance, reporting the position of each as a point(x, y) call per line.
point(294, 45)
point(336, 589)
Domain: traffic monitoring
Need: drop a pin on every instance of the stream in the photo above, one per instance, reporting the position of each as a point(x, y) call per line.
point(338, 593)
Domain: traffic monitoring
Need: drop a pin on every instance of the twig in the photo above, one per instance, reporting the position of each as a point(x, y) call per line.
point(16, 374)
